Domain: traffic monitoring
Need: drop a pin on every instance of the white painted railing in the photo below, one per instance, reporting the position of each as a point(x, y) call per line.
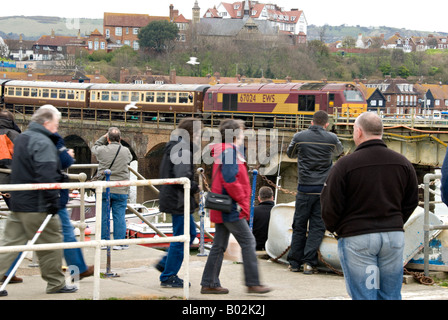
point(99, 186)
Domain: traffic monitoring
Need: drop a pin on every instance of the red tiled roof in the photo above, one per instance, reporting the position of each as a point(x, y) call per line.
point(126, 19)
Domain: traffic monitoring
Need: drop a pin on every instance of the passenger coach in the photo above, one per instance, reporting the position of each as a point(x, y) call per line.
point(149, 97)
point(59, 94)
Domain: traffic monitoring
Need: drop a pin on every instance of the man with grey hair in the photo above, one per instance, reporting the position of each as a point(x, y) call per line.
point(112, 155)
point(36, 160)
point(366, 200)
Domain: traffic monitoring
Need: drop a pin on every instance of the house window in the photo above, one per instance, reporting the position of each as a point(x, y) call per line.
point(118, 31)
point(135, 31)
point(103, 45)
point(107, 33)
point(136, 45)
point(90, 45)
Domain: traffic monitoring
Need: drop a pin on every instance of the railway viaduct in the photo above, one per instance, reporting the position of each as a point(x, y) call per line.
point(424, 144)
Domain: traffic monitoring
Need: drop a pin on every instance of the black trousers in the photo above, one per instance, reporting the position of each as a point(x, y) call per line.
point(308, 230)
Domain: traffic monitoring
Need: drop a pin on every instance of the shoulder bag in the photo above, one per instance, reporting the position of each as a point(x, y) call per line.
point(217, 201)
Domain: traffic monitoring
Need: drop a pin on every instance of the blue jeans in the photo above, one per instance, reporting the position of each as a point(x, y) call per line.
point(373, 265)
point(118, 203)
point(172, 261)
point(73, 257)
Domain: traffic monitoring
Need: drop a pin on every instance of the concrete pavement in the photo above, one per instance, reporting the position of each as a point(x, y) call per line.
point(139, 280)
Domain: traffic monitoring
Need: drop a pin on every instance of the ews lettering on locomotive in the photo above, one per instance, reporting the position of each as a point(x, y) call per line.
point(269, 98)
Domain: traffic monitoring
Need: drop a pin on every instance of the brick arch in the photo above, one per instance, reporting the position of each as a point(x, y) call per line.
point(149, 168)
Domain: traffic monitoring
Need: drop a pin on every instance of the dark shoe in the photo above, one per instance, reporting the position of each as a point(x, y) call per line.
point(293, 269)
point(14, 279)
point(159, 267)
point(308, 269)
point(65, 289)
point(87, 273)
point(215, 290)
point(258, 289)
point(173, 282)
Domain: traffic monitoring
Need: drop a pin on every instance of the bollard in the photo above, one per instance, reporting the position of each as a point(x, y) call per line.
point(252, 200)
point(201, 215)
point(108, 273)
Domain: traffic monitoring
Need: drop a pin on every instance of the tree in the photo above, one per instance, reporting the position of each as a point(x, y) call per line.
point(157, 35)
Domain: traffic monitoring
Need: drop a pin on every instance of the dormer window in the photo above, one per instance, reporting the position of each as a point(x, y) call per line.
point(236, 6)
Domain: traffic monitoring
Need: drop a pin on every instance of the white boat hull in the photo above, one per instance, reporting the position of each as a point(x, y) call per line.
point(280, 235)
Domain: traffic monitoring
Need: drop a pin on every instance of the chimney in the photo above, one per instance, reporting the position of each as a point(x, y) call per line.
point(124, 73)
point(52, 33)
point(173, 76)
point(171, 13)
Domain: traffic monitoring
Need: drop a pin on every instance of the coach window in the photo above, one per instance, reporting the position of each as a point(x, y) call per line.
point(71, 94)
point(183, 97)
point(105, 96)
point(18, 92)
point(34, 92)
point(45, 93)
point(62, 94)
point(114, 96)
point(134, 96)
point(307, 103)
point(172, 97)
point(161, 97)
point(149, 96)
point(26, 92)
point(125, 96)
point(54, 93)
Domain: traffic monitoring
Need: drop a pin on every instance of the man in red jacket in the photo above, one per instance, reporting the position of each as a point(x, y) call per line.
point(367, 198)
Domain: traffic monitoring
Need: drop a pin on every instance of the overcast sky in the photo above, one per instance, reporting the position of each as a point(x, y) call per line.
point(410, 14)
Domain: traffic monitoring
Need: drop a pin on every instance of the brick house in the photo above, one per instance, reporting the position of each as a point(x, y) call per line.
point(96, 41)
point(401, 96)
point(122, 29)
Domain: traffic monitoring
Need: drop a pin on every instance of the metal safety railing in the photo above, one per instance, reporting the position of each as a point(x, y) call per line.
point(99, 186)
point(427, 227)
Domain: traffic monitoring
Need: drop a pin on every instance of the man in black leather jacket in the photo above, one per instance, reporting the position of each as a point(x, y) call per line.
point(315, 149)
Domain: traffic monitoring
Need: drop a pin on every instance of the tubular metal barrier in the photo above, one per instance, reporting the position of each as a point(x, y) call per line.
point(427, 227)
point(99, 186)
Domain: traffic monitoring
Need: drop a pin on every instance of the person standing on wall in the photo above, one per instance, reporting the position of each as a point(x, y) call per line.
point(315, 149)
